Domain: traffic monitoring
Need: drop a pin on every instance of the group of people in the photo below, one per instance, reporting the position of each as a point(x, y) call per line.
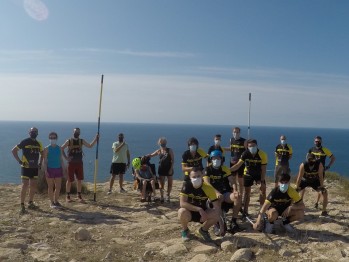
point(208, 192)
point(217, 184)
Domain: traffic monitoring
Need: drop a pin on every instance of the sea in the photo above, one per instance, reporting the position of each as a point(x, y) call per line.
point(142, 139)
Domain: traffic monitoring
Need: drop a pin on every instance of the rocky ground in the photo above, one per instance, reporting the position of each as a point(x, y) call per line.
point(118, 227)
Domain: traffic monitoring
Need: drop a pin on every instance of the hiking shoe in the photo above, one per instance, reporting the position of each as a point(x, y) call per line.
point(205, 235)
point(268, 227)
point(316, 205)
point(289, 228)
point(185, 235)
point(216, 229)
point(53, 205)
point(58, 205)
point(109, 192)
point(122, 190)
point(32, 206)
point(234, 228)
point(324, 214)
point(68, 199)
point(22, 210)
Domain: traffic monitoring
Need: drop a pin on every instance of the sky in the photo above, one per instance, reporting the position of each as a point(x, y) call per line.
point(179, 61)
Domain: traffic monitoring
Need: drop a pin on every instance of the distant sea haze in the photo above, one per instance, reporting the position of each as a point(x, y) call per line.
point(142, 139)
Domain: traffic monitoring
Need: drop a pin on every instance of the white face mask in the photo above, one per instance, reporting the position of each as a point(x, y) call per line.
point(283, 142)
point(283, 187)
point(217, 142)
point(216, 163)
point(252, 149)
point(197, 181)
point(236, 135)
point(192, 148)
point(53, 142)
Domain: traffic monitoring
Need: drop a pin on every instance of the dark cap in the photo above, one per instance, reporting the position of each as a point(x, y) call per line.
point(252, 141)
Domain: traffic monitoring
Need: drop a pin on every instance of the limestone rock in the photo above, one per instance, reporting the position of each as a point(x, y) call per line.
point(205, 249)
point(174, 250)
point(227, 246)
point(200, 258)
point(82, 234)
point(243, 254)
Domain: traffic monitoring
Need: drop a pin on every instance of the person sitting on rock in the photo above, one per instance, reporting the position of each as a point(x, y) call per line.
point(193, 198)
point(221, 179)
point(282, 201)
point(311, 174)
point(145, 175)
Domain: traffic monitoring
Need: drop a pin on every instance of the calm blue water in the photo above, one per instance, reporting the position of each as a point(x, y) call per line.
point(142, 139)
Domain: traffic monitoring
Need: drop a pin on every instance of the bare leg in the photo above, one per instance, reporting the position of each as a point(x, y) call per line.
point(50, 188)
point(32, 188)
point(121, 180)
point(25, 184)
point(58, 183)
point(111, 181)
point(247, 199)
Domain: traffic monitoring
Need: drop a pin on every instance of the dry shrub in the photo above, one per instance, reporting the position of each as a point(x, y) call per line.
point(42, 185)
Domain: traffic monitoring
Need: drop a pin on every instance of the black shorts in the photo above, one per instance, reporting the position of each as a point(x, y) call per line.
point(248, 180)
point(162, 172)
point(279, 209)
point(117, 168)
point(314, 184)
point(195, 216)
point(240, 171)
point(27, 173)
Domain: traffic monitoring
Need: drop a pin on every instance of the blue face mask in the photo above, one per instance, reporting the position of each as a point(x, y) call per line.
point(162, 145)
point(192, 148)
point(283, 187)
point(252, 149)
point(283, 142)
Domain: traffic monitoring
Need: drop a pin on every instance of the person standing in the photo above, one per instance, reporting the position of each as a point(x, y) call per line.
point(255, 161)
point(283, 153)
point(120, 162)
point(30, 162)
point(237, 147)
point(75, 163)
point(216, 146)
point(165, 168)
point(320, 154)
point(192, 157)
point(53, 168)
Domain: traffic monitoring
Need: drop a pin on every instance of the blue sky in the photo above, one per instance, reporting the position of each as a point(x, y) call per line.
point(180, 61)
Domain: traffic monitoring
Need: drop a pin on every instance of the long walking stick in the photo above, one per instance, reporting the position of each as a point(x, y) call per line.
point(99, 124)
point(249, 116)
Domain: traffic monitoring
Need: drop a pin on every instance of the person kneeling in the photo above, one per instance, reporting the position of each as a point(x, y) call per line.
point(193, 198)
point(282, 201)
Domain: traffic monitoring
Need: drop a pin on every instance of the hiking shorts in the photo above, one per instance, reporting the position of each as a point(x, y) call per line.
point(314, 184)
point(76, 169)
point(28, 173)
point(248, 180)
point(117, 168)
point(54, 172)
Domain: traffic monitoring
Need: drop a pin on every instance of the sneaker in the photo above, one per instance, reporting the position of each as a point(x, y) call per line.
point(316, 205)
point(289, 228)
point(58, 205)
point(234, 228)
point(109, 192)
point(68, 199)
point(205, 235)
point(32, 206)
point(216, 229)
point(22, 210)
point(324, 214)
point(122, 190)
point(52, 205)
point(185, 235)
point(268, 227)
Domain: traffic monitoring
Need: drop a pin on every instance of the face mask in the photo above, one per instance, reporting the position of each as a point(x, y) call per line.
point(121, 139)
point(76, 135)
point(216, 163)
point(318, 144)
point(196, 182)
point(192, 148)
point(252, 149)
point(236, 135)
point(33, 135)
point(283, 142)
point(162, 145)
point(283, 187)
point(53, 142)
point(217, 142)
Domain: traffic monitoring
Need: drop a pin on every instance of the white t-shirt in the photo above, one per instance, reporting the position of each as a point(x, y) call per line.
point(121, 155)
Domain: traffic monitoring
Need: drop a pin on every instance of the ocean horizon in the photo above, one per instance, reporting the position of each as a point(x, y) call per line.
point(142, 139)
